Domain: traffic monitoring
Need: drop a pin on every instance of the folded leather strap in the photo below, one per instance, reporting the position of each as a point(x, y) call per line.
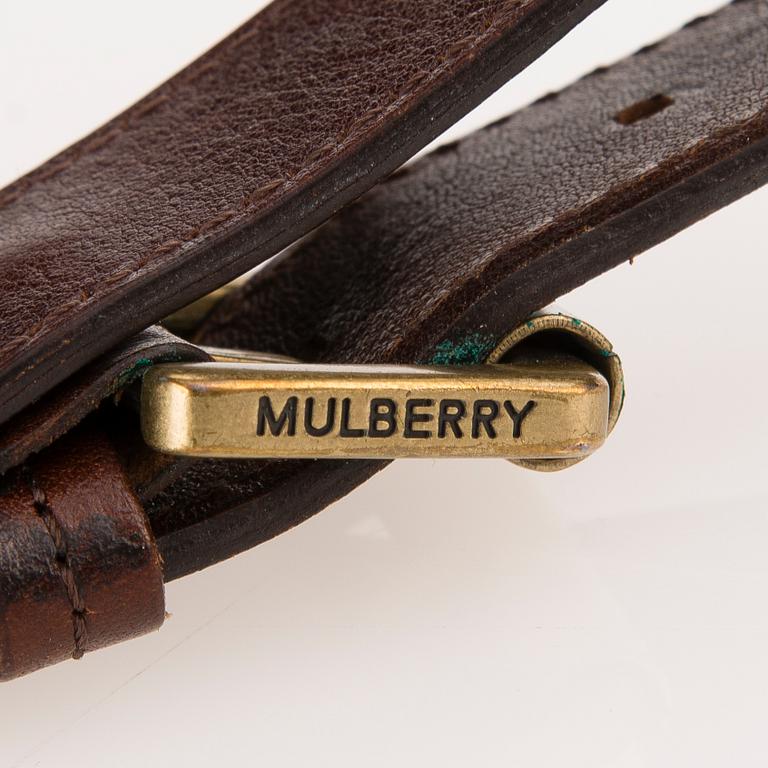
point(78, 564)
point(295, 114)
point(440, 261)
point(35, 428)
point(292, 116)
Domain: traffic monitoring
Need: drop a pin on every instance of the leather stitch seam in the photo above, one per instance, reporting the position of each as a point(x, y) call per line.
point(315, 159)
point(259, 195)
point(456, 144)
point(141, 110)
point(63, 565)
point(253, 197)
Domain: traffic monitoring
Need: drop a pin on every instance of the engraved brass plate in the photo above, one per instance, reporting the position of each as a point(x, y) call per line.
point(552, 409)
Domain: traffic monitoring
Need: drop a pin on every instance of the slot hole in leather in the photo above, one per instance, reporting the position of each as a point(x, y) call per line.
point(644, 109)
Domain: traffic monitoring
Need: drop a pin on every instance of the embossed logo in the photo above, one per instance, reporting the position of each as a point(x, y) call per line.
point(412, 418)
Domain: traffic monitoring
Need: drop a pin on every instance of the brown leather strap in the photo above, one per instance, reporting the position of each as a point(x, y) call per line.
point(472, 237)
point(66, 405)
point(441, 261)
point(292, 116)
point(79, 568)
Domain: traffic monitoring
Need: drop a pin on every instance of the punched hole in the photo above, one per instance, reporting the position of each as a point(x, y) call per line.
point(644, 109)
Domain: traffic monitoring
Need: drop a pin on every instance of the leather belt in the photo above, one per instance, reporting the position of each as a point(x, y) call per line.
point(245, 152)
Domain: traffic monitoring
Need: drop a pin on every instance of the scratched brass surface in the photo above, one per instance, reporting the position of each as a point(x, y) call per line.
point(553, 409)
point(593, 347)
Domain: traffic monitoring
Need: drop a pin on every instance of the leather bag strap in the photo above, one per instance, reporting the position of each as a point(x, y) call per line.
point(296, 113)
point(435, 265)
point(79, 568)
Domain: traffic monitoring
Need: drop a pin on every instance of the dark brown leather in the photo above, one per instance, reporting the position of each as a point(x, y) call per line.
point(79, 567)
point(516, 215)
point(439, 262)
point(66, 405)
point(442, 260)
point(292, 116)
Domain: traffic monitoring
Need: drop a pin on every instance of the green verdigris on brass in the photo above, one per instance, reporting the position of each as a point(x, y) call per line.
point(136, 370)
point(470, 350)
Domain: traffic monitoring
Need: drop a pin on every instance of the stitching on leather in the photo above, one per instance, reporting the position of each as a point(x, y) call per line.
point(454, 146)
point(253, 197)
point(202, 70)
point(150, 106)
point(141, 110)
point(244, 38)
point(62, 565)
point(314, 159)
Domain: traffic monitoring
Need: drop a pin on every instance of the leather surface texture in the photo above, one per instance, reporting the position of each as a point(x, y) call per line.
point(436, 264)
point(79, 568)
point(442, 260)
point(296, 113)
point(65, 406)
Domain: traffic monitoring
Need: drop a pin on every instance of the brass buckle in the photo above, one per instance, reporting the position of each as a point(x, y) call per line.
point(546, 399)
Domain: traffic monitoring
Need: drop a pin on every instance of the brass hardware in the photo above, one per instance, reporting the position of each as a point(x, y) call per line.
point(552, 330)
point(252, 410)
point(259, 410)
point(222, 355)
point(548, 396)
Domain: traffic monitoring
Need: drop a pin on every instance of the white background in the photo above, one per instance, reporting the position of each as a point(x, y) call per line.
point(455, 613)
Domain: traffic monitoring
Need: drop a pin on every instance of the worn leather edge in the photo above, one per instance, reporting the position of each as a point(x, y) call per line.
point(79, 568)
point(152, 295)
point(309, 487)
point(256, 503)
point(65, 406)
point(579, 259)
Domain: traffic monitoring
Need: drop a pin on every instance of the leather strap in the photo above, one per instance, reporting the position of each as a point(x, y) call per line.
point(66, 405)
point(300, 110)
point(221, 167)
point(442, 260)
point(439, 262)
point(79, 568)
